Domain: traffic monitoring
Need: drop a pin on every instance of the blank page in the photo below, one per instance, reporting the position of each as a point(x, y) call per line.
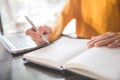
point(103, 61)
point(61, 50)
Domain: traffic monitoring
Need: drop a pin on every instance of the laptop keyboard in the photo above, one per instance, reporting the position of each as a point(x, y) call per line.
point(20, 41)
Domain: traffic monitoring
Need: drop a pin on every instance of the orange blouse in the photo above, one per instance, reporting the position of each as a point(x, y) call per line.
point(93, 17)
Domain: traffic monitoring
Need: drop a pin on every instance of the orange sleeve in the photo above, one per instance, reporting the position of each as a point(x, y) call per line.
point(63, 18)
point(118, 32)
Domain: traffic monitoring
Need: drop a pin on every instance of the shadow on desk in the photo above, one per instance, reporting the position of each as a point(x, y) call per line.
point(13, 68)
point(5, 64)
point(67, 75)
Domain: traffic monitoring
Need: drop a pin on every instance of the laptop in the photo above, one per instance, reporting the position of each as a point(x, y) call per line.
point(17, 43)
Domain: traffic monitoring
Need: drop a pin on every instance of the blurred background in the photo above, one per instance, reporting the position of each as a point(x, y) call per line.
point(40, 11)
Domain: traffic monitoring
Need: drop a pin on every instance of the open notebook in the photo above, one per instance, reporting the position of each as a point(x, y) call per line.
point(16, 42)
point(73, 55)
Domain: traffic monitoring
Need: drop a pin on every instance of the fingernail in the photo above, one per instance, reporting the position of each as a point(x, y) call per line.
point(111, 46)
point(98, 44)
point(90, 46)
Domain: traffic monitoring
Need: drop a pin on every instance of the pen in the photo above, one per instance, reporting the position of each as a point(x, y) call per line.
point(35, 28)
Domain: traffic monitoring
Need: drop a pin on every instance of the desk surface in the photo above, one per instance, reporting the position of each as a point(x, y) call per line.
point(13, 68)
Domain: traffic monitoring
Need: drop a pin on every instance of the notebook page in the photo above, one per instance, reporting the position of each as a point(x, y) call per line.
point(60, 51)
point(104, 62)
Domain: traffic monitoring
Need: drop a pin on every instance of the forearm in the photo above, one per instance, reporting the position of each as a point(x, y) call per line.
point(62, 20)
point(56, 31)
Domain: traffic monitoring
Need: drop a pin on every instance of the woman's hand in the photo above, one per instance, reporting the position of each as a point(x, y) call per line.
point(109, 39)
point(36, 36)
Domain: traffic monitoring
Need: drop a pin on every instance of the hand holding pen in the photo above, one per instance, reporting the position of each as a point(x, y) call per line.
point(38, 34)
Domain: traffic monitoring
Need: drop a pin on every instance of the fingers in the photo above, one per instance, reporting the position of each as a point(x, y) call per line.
point(94, 39)
point(44, 30)
point(29, 31)
point(36, 36)
point(115, 44)
point(106, 39)
point(105, 42)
